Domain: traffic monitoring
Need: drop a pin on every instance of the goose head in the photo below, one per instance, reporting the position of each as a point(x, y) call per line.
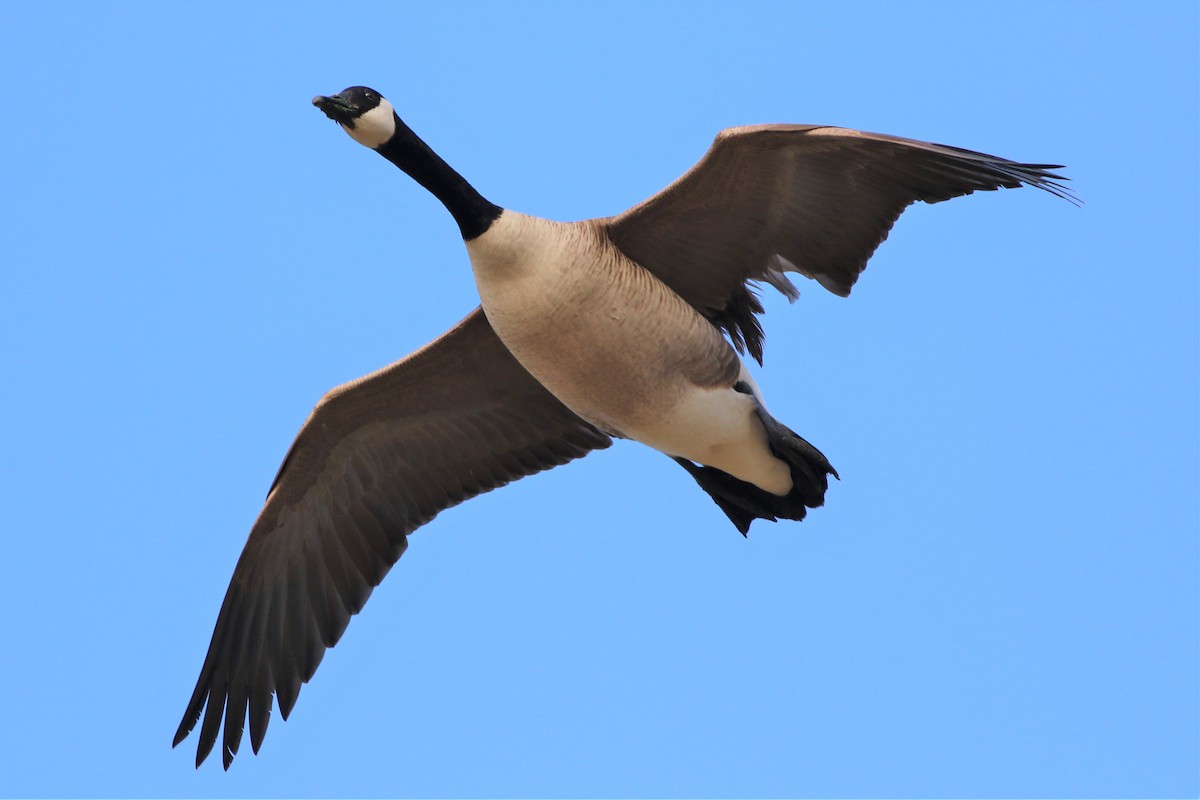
point(370, 120)
point(363, 113)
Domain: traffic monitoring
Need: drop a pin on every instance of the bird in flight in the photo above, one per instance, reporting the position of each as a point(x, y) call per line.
point(624, 327)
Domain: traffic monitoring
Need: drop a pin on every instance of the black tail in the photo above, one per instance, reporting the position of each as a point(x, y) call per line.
point(744, 502)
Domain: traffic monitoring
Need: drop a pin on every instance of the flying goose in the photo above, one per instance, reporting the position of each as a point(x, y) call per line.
point(619, 327)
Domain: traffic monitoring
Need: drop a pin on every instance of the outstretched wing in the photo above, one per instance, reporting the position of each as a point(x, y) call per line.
point(817, 200)
point(376, 459)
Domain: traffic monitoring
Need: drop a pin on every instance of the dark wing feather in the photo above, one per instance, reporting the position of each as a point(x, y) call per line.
point(376, 459)
point(811, 199)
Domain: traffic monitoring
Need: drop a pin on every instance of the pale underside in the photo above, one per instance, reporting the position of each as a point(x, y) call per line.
point(618, 347)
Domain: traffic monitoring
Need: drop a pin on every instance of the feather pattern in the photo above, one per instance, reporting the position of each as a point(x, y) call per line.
point(811, 199)
point(377, 458)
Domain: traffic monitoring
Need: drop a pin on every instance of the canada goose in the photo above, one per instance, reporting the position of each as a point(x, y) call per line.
point(625, 326)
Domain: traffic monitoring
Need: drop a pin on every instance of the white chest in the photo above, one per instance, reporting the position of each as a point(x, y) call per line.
point(526, 268)
point(585, 321)
point(615, 344)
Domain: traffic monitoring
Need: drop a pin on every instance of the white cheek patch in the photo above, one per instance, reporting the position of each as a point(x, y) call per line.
point(374, 127)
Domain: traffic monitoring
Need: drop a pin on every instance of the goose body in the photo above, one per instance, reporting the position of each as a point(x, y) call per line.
point(628, 326)
point(618, 347)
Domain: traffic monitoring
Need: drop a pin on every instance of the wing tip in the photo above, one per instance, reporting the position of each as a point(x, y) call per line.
point(186, 726)
point(182, 732)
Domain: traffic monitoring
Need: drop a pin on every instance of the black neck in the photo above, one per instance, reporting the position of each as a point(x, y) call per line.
point(473, 213)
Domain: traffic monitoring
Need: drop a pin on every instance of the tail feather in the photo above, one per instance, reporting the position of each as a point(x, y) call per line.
point(744, 502)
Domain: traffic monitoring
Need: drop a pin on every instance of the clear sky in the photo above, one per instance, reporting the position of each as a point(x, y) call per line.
point(999, 598)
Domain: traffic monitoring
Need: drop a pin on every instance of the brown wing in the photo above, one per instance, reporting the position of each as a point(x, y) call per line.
point(811, 199)
point(376, 459)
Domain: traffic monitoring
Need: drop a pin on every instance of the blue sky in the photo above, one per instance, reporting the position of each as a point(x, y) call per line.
point(999, 598)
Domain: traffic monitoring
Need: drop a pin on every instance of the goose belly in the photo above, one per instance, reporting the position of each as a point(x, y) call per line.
point(618, 347)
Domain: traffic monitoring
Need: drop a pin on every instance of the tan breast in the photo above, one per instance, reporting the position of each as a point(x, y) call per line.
point(602, 334)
